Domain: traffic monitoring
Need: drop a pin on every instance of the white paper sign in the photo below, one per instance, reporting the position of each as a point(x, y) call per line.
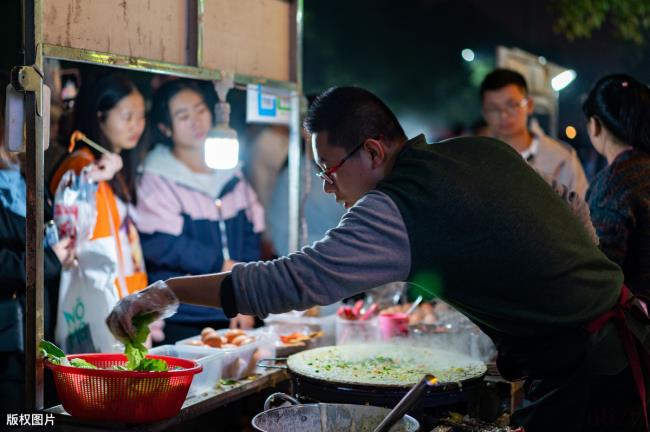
point(267, 105)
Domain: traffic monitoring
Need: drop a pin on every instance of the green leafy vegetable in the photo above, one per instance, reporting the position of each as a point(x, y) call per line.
point(152, 365)
point(134, 355)
point(136, 351)
point(56, 356)
point(53, 353)
point(81, 363)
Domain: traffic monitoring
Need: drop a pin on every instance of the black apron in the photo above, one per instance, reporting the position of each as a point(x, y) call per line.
point(564, 394)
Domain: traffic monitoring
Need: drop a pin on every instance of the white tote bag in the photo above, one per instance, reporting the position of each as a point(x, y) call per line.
point(87, 295)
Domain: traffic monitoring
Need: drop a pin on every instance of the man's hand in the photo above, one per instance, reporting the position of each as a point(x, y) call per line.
point(156, 299)
point(243, 322)
point(106, 167)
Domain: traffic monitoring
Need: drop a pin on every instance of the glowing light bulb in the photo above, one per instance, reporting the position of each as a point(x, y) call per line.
point(467, 54)
point(221, 148)
point(570, 132)
point(563, 79)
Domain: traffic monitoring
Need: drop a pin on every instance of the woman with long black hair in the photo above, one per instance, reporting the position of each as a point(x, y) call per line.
point(111, 112)
point(618, 114)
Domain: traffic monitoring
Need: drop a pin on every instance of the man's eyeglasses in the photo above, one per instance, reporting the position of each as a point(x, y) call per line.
point(326, 174)
point(510, 109)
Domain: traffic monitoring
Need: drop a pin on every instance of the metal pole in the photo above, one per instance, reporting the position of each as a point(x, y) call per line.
point(554, 118)
point(32, 20)
point(194, 44)
point(299, 31)
point(200, 11)
point(295, 137)
point(294, 173)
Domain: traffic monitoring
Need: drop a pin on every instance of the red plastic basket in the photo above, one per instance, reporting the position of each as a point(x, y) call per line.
point(122, 396)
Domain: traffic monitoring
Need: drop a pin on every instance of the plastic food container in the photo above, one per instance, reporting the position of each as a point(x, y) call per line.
point(352, 331)
point(277, 330)
point(393, 325)
point(122, 396)
point(240, 362)
point(326, 324)
point(210, 358)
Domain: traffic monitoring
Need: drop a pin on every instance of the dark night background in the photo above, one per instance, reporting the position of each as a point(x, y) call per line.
point(408, 52)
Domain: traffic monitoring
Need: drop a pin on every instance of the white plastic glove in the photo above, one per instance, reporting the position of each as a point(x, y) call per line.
point(156, 299)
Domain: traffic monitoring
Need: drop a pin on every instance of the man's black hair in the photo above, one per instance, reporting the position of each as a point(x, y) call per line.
point(351, 115)
point(499, 78)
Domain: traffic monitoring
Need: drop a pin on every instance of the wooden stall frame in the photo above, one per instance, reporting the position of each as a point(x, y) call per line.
point(35, 50)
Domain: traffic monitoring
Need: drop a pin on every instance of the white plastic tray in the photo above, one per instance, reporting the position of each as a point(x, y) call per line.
point(211, 359)
point(240, 362)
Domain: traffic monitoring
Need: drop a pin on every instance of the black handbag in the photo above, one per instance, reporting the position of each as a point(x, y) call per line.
point(11, 326)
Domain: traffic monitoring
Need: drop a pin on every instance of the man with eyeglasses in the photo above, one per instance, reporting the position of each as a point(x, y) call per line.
point(469, 222)
point(506, 107)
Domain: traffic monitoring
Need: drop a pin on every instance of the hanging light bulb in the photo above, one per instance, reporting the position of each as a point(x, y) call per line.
point(221, 148)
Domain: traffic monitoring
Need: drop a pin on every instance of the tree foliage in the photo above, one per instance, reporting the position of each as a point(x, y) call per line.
point(578, 19)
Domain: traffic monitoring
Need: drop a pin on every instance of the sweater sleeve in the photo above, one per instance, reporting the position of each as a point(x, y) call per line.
point(612, 219)
point(368, 248)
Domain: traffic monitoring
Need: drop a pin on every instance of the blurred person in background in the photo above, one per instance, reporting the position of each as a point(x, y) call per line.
point(179, 220)
point(13, 207)
point(618, 116)
point(480, 128)
point(111, 112)
point(320, 212)
point(56, 151)
point(506, 107)
point(268, 155)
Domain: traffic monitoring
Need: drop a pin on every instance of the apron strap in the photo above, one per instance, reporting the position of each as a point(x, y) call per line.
point(629, 343)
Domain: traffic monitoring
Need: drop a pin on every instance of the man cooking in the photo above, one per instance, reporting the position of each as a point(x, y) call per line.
point(470, 222)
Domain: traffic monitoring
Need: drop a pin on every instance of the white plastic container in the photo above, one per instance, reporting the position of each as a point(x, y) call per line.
point(240, 362)
point(211, 359)
point(353, 331)
point(326, 324)
point(279, 329)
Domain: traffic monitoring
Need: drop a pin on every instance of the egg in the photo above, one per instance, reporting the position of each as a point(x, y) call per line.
point(232, 334)
point(243, 340)
point(206, 330)
point(213, 340)
point(211, 334)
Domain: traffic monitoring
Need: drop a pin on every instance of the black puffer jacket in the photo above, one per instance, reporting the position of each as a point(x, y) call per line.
point(12, 266)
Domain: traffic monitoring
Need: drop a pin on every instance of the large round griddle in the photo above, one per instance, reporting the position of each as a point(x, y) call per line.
point(460, 376)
